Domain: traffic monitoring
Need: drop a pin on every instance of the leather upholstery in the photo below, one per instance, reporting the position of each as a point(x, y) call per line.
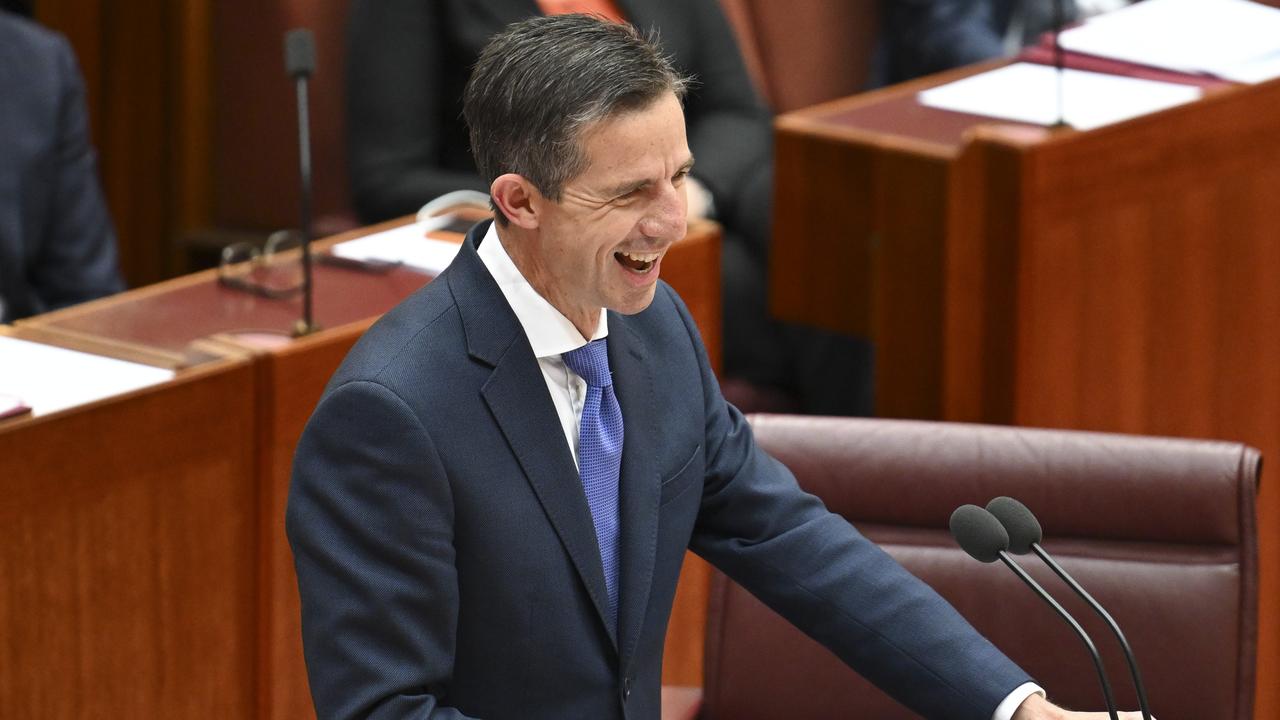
point(802, 53)
point(1161, 531)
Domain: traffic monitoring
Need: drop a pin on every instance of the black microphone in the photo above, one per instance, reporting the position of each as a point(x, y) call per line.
point(300, 63)
point(981, 535)
point(1024, 537)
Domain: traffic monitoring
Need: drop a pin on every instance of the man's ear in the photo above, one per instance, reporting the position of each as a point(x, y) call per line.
point(518, 199)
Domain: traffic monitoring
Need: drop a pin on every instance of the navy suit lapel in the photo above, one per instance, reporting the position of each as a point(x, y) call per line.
point(517, 396)
point(639, 483)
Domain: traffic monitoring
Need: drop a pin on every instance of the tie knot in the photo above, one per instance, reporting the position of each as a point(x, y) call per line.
point(591, 362)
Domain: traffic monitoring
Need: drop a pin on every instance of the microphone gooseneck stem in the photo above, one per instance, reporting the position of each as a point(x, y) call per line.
point(1059, 61)
point(1084, 637)
point(1106, 617)
point(304, 165)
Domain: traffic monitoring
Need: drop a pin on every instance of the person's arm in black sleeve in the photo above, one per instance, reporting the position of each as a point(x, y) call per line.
point(76, 260)
point(370, 522)
point(396, 105)
point(730, 129)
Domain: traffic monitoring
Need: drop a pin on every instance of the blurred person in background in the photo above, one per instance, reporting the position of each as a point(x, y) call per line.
point(57, 244)
point(921, 37)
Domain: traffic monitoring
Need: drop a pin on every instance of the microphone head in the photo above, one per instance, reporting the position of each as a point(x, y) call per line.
point(1019, 522)
point(299, 52)
point(979, 533)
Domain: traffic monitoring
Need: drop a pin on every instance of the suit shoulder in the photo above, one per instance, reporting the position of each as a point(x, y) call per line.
point(424, 325)
point(668, 308)
point(35, 45)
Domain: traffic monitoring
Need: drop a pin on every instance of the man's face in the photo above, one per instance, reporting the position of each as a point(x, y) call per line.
point(602, 244)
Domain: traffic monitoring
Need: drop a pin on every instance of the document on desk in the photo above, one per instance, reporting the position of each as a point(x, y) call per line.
point(48, 378)
point(1235, 40)
point(1026, 92)
point(406, 244)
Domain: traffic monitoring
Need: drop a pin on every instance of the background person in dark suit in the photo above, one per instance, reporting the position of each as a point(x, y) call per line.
point(921, 37)
point(57, 246)
point(408, 61)
point(481, 531)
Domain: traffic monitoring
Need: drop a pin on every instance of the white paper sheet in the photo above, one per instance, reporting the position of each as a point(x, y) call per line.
point(49, 378)
point(1232, 39)
point(408, 244)
point(1027, 92)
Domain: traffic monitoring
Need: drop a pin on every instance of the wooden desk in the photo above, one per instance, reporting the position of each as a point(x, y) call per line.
point(190, 323)
point(128, 584)
point(1122, 279)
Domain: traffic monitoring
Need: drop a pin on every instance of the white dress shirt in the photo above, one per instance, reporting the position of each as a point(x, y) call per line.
point(550, 333)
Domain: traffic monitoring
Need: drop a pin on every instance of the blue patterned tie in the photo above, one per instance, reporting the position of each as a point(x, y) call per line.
point(600, 455)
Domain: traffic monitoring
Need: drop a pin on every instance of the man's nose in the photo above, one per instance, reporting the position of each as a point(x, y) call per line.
point(666, 217)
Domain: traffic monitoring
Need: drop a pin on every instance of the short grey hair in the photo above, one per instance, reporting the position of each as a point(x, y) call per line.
point(542, 83)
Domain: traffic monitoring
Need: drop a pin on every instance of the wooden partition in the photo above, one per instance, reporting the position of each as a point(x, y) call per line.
point(130, 531)
point(1122, 279)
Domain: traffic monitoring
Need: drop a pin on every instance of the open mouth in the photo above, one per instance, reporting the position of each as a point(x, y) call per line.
point(638, 263)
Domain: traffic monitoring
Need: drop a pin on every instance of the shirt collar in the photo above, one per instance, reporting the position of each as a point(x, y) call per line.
point(549, 331)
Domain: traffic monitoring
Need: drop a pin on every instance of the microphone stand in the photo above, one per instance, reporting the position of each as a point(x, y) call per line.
point(1106, 616)
point(1059, 62)
point(300, 62)
point(1084, 637)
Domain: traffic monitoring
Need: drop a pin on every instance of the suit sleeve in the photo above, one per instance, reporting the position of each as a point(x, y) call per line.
point(730, 130)
point(812, 567)
point(76, 260)
point(396, 65)
point(370, 522)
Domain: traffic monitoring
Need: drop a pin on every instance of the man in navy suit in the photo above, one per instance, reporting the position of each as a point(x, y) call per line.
point(451, 561)
point(57, 247)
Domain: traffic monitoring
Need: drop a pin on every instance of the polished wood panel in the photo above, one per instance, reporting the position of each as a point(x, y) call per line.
point(858, 229)
point(148, 87)
point(129, 584)
point(1119, 279)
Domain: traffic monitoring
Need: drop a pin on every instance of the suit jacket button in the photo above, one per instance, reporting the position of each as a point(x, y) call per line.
point(626, 688)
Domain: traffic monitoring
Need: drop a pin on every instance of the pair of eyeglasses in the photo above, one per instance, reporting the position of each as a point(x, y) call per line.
point(274, 271)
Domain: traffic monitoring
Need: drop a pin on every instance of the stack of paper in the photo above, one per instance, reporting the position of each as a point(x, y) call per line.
point(1232, 39)
point(407, 244)
point(1027, 92)
point(48, 378)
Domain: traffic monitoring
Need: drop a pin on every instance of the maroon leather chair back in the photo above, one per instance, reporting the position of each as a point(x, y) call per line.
point(1161, 531)
point(802, 53)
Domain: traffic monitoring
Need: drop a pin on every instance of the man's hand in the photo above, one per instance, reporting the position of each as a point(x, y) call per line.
point(1036, 707)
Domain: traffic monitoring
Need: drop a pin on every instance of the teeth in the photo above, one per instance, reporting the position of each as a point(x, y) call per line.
point(642, 257)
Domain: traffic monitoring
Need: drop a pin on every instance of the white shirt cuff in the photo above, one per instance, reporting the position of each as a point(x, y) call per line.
point(1006, 709)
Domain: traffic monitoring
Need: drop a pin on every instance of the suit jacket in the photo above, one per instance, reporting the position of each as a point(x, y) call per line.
point(446, 556)
point(57, 246)
point(408, 62)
